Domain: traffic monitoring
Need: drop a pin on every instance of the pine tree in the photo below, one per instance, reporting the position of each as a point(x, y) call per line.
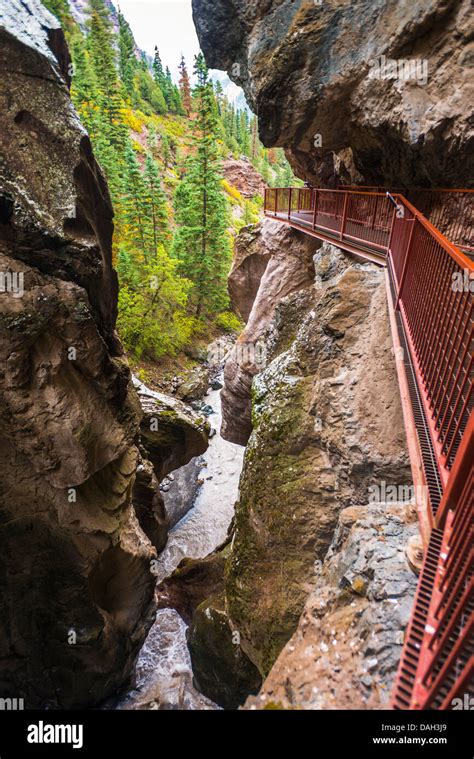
point(127, 59)
point(176, 102)
point(185, 87)
point(219, 92)
point(156, 214)
point(243, 131)
point(100, 44)
point(167, 88)
point(254, 151)
point(134, 207)
point(158, 72)
point(83, 87)
point(201, 241)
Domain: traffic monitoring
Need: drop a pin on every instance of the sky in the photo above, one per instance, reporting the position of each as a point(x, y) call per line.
point(166, 23)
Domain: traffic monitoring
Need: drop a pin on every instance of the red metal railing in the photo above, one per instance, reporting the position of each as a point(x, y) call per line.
point(432, 283)
point(433, 290)
point(350, 217)
point(450, 211)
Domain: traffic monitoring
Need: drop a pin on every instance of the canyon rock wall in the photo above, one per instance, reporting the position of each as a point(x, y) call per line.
point(312, 72)
point(242, 175)
point(347, 647)
point(321, 438)
point(306, 532)
point(76, 581)
point(270, 262)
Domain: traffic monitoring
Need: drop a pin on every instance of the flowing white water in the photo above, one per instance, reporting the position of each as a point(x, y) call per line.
point(164, 676)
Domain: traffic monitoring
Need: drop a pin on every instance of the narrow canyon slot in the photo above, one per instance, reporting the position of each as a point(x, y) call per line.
point(236, 370)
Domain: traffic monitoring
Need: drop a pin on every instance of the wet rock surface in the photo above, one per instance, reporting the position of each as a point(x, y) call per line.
point(192, 583)
point(195, 385)
point(309, 70)
point(188, 571)
point(221, 669)
point(171, 431)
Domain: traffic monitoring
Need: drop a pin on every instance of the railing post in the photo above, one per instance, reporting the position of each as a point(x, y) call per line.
point(299, 200)
point(392, 230)
point(405, 263)
point(344, 214)
point(375, 211)
point(289, 203)
point(276, 201)
point(315, 214)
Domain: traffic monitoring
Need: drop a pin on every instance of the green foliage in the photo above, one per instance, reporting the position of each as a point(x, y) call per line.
point(229, 322)
point(202, 243)
point(127, 58)
point(60, 9)
point(153, 319)
point(147, 133)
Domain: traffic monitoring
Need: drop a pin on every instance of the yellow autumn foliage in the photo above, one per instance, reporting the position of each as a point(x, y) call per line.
point(232, 191)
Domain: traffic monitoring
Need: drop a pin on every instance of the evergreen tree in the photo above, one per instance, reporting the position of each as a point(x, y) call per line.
point(201, 241)
point(103, 58)
point(176, 102)
point(255, 141)
point(156, 214)
point(219, 93)
point(83, 87)
point(167, 88)
point(127, 58)
point(158, 72)
point(134, 207)
point(185, 87)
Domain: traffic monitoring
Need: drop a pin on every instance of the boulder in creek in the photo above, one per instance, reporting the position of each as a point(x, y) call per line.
point(171, 436)
point(172, 432)
point(195, 385)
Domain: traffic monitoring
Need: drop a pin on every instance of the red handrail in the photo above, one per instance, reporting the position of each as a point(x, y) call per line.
point(433, 286)
point(451, 211)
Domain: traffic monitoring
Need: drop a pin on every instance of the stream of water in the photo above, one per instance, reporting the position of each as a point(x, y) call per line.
point(164, 674)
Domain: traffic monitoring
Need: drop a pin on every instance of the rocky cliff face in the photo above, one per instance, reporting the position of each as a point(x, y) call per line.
point(314, 74)
point(270, 262)
point(346, 649)
point(240, 173)
point(321, 438)
point(76, 586)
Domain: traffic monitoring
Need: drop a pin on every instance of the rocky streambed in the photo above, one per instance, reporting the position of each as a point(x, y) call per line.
point(210, 482)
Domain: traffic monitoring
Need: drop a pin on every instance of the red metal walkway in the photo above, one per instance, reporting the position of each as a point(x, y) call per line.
point(430, 287)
